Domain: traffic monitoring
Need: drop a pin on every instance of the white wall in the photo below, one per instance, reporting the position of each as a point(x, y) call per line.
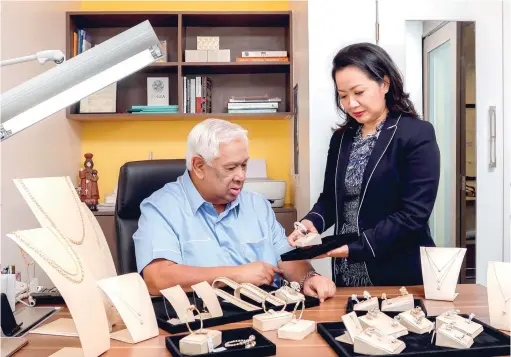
point(332, 25)
point(507, 130)
point(413, 63)
point(49, 148)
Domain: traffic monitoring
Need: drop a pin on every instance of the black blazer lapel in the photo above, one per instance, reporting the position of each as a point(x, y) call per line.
point(342, 165)
point(386, 135)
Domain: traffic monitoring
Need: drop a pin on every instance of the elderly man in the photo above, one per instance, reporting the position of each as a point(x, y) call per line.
point(204, 226)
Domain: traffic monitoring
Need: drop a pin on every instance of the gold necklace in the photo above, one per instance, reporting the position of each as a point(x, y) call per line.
point(52, 223)
point(76, 277)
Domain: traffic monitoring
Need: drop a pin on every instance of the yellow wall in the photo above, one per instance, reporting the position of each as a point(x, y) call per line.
point(114, 143)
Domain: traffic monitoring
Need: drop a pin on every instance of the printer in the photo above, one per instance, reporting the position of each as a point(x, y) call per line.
point(257, 181)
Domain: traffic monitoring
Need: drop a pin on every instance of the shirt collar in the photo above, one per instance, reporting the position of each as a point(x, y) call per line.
point(195, 199)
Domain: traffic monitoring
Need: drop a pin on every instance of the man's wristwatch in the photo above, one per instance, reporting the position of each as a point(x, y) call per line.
point(310, 274)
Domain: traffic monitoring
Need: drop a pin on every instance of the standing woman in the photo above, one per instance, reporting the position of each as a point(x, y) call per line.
point(381, 176)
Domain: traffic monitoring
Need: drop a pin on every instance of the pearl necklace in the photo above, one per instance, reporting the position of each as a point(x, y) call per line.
point(45, 214)
point(75, 277)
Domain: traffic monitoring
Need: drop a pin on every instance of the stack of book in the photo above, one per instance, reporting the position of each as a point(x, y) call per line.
point(81, 41)
point(146, 109)
point(263, 56)
point(197, 94)
point(246, 105)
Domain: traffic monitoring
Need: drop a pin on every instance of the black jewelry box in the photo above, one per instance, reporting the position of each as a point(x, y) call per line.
point(490, 342)
point(351, 304)
point(327, 244)
point(263, 347)
point(231, 313)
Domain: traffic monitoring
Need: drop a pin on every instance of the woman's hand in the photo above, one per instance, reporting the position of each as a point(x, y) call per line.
point(298, 234)
point(342, 252)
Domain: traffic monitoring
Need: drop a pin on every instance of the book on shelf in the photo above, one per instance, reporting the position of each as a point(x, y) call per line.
point(262, 59)
point(254, 99)
point(251, 111)
point(254, 104)
point(264, 54)
point(197, 94)
point(153, 109)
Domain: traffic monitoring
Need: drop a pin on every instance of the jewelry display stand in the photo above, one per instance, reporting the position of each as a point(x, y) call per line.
point(180, 302)
point(374, 342)
point(72, 277)
point(353, 328)
point(55, 203)
point(130, 296)
point(401, 303)
point(449, 336)
point(201, 341)
point(290, 292)
point(271, 320)
point(231, 298)
point(369, 304)
point(297, 329)
point(499, 294)
point(308, 240)
point(415, 321)
point(440, 271)
point(467, 326)
point(257, 294)
point(208, 296)
point(383, 323)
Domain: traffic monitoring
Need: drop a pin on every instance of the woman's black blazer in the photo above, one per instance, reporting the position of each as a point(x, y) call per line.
point(399, 189)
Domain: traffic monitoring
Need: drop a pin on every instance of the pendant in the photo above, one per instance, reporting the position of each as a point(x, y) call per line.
point(438, 281)
point(438, 288)
point(504, 312)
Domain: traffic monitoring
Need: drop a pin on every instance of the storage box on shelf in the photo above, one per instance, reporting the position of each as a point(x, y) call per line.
point(227, 35)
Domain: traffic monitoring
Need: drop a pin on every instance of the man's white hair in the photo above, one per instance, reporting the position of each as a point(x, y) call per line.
point(205, 138)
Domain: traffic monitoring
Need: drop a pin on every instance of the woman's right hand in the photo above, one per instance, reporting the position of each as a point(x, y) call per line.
point(297, 234)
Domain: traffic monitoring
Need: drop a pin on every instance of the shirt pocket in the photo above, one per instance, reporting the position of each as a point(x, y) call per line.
point(201, 253)
point(258, 250)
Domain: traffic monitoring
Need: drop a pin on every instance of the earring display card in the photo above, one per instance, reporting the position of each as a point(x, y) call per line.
point(231, 313)
point(263, 346)
point(351, 304)
point(491, 342)
point(327, 244)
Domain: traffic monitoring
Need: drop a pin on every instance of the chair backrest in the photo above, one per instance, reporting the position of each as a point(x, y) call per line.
point(137, 181)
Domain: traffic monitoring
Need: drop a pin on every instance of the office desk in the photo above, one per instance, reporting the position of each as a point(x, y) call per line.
point(472, 298)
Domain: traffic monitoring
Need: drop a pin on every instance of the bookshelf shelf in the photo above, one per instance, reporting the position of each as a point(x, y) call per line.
point(176, 117)
point(237, 31)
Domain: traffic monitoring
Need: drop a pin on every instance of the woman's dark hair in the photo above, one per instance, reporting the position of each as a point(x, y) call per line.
point(376, 63)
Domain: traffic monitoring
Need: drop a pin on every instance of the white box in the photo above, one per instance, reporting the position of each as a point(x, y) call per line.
point(196, 56)
point(219, 56)
point(208, 43)
point(157, 91)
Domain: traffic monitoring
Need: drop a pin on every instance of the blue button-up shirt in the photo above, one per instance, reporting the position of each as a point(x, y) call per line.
point(178, 225)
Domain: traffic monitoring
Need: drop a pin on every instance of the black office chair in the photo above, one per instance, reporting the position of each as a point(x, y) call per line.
point(137, 181)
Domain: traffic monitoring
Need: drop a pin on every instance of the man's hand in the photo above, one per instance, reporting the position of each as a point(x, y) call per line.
point(320, 287)
point(257, 273)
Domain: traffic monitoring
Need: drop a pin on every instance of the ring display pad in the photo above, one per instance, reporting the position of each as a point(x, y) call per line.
point(449, 336)
point(401, 303)
point(231, 312)
point(353, 328)
point(369, 303)
point(440, 271)
point(491, 342)
point(55, 203)
point(499, 294)
point(75, 282)
point(382, 322)
point(465, 325)
point(308, 240)
point(327, 244)
point(352, 303)
point(130, 296)
point(373, 342)
point(262, 346)
point(416, 321)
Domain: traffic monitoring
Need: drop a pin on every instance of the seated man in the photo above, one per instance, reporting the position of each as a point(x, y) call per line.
point(204, 226)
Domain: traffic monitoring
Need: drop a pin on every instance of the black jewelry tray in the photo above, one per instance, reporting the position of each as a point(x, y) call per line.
point(488, 343)
point(327, 244)
point(231, 313)
point(263, 347)
point(351, 303)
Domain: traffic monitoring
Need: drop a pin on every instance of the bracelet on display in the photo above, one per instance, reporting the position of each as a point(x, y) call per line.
point(191, 308)
point(249, 342)
point(266, 298)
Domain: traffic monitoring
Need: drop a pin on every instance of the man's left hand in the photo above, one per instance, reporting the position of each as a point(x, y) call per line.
point(320, 287)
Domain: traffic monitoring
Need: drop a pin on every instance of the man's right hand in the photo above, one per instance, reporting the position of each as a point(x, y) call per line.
point(257, 273)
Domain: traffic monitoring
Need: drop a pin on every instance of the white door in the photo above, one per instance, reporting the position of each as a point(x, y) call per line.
point(487, 15)
point(440, 62)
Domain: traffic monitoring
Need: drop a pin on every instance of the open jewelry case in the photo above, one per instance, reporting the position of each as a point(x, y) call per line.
point(261, 347)
point(327, 244)
point(490, 342)
point(351, 304)
point(231, 313)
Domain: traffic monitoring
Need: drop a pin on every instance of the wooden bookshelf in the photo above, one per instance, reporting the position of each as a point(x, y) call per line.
point(238, 31)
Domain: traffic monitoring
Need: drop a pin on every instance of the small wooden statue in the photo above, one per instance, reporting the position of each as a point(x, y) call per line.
point(89, 192)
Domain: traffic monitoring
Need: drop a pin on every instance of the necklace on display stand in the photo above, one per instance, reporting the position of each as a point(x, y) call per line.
point(45, 214)
point(136, 313)
point(506, 300)
point(440, 278)
point(76, 277)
